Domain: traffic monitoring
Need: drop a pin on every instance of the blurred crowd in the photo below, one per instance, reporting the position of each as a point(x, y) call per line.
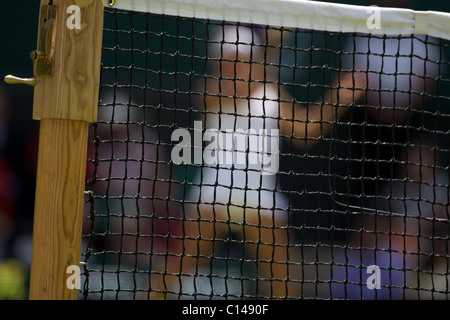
point(18, 155)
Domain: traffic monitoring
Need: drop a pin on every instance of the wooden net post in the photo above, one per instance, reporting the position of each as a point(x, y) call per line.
point(65, 102)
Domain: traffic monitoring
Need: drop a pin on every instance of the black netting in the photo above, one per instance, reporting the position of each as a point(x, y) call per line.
point(235, 161)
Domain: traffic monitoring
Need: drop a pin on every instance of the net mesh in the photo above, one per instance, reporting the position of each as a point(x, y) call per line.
point(240, 161)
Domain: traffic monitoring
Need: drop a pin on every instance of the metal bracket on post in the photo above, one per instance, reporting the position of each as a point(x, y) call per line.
point(43, 56)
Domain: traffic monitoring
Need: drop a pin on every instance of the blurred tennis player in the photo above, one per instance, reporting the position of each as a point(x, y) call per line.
point(237, 191)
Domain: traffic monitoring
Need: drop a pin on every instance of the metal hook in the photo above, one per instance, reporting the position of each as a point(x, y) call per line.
point(10, 79)
point(43, 56)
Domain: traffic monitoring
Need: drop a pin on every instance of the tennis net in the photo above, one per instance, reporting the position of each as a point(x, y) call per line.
point(269, 149)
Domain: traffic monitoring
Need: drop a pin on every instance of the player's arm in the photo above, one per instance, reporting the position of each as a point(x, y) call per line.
point(315, 120)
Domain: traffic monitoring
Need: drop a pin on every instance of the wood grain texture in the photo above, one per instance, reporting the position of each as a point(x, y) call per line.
point(58, 207)
point(65, 103)
point(72, 91)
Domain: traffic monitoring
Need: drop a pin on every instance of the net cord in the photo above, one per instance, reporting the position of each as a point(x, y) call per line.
point(303, 14)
